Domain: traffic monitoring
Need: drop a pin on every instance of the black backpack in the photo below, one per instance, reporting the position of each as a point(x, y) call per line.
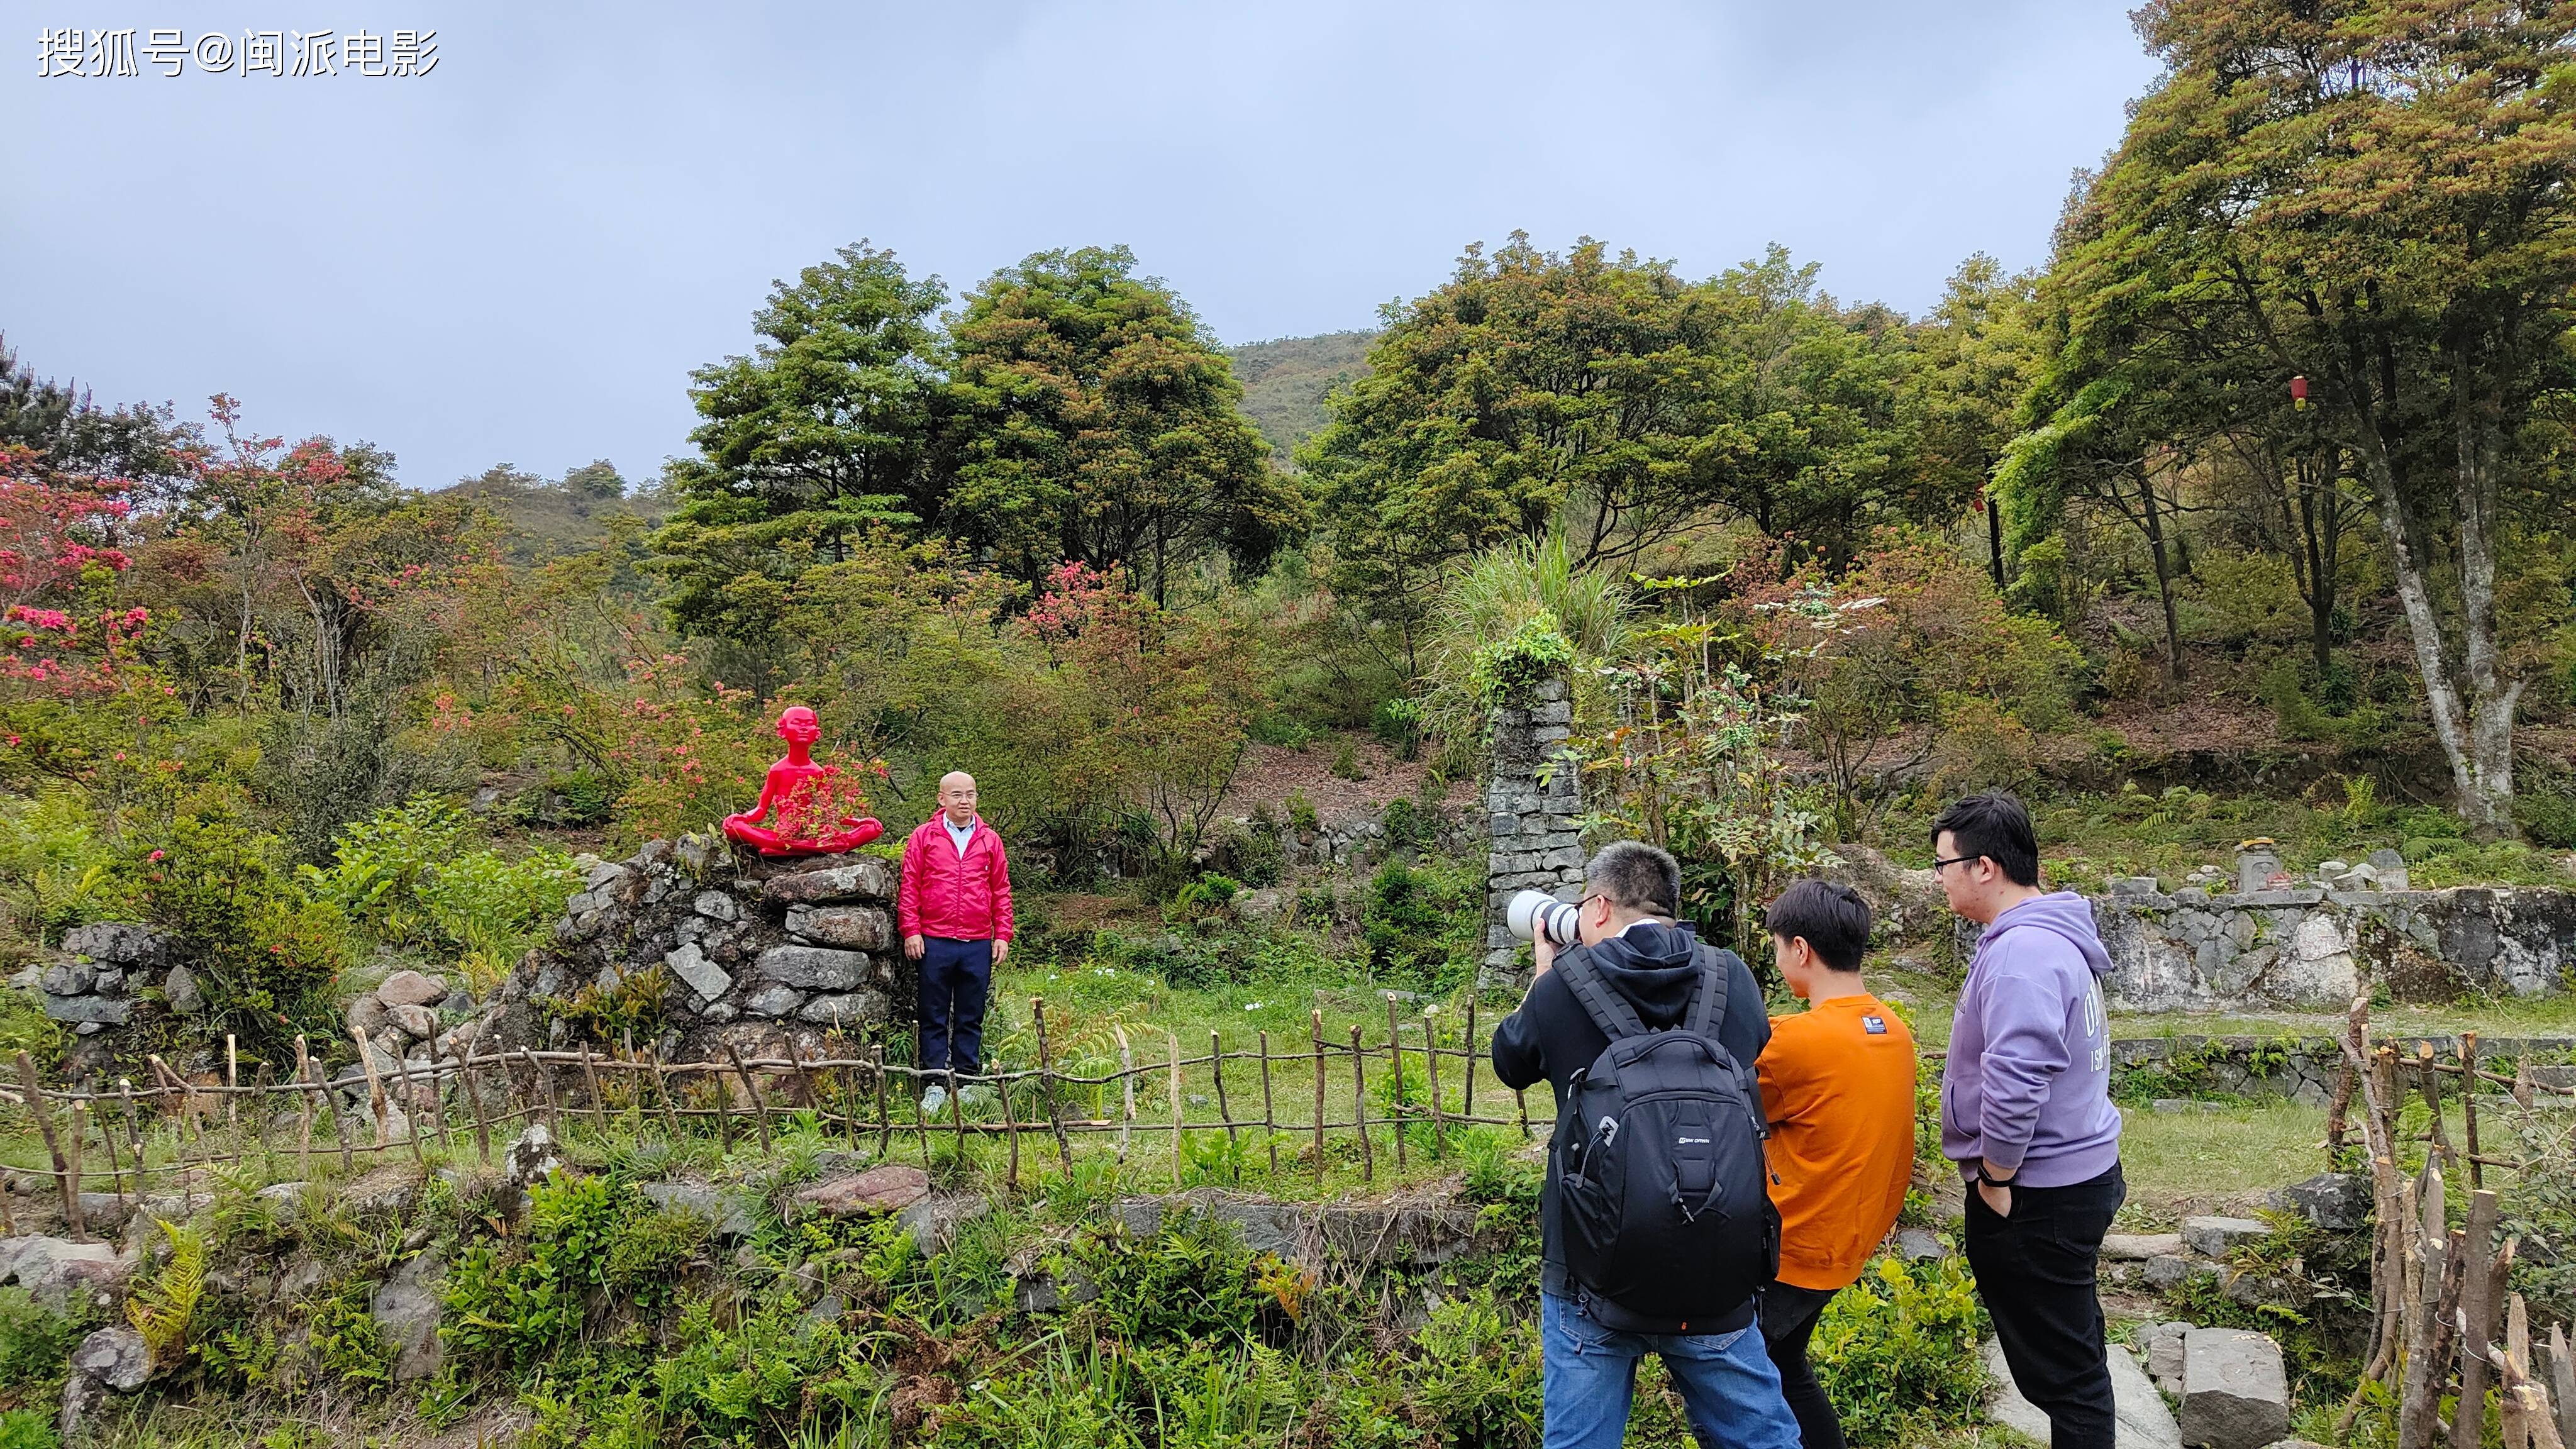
point(1663, 1205)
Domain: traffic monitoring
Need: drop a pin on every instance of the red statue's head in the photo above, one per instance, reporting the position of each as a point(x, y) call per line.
point(797, 722)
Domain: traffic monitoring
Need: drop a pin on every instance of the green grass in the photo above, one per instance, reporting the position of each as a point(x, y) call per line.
point(2184, 1162)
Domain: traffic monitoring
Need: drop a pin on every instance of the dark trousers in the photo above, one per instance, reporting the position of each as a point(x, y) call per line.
point(1789, 1315)
point(956, 976)
point(2035, 1270)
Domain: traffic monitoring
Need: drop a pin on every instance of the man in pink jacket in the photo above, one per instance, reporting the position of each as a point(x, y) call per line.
point(954, 908)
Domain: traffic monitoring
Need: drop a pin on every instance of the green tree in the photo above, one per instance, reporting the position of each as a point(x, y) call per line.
point(1090, 417)
point(818, 436)
point(2374, 196)
point(1974, 358)
point(1609, 398)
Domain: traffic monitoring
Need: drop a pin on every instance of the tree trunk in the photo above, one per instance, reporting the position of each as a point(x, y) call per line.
point(1994, 538)
point(2155, 530)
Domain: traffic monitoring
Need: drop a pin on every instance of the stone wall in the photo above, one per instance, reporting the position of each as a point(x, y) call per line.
point(1534, 809)
point(2315, 948)
point(760, 955)
point(2305, 1067)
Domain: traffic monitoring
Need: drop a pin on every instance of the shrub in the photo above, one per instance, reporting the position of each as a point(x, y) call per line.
point(1418, 919)
point(1194, 1279)
point(265, 956)
point(35, 1346)
point(1898, 1350)
point(1346, 763)
point(1480, 1374)
point(380, 865)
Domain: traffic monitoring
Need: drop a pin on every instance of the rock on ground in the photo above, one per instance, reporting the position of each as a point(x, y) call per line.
point(2145, 1422)
point(406, 1311)
point(887, 1189)
point(410, 988)
point(2139, 1247)
point(2234, 1392)
point(728, 1212)
point(2214, 1236)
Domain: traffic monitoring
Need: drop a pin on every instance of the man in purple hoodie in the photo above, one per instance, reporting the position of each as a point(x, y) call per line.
point(2026, 1113)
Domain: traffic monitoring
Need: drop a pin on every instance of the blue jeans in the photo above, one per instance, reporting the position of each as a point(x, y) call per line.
point(1727, 1383)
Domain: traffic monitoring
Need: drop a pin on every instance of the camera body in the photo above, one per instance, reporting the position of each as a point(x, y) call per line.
point(1533, 914)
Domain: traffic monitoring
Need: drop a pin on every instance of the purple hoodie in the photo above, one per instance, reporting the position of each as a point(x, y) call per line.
point(2028, 1082)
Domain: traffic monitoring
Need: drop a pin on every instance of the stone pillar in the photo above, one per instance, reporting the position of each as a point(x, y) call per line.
point(1535, 806)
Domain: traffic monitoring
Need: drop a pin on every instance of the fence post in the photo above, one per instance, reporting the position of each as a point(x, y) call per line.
point(1216, 1064)
point(232, 1089)
point(1269, 1118)
point(661, 1094)
point(304, 1102)
point(885, 1113)
point(53, 1147)
point(1010, 1138)
point(134, 1135)
point(339, 1118)
point(1178, 1156)
point(1467, 1105)
point(166, 1080)
point(545, 1079)
point(2478, 1310)
point(474, 1103)
point(724, 1118)
point(79, 1132)
point(1359, 1107)
point(1317, 1022)
point(956, 1112)
point(590, 1079)
point(266, 1081)
point(375, 1084)
point(1126, 1088)
point(1395, 1064)
point(2430, 1081)
point(1046, 1084)
point(1431, 1078)
point(2469, 1105)
point(759, 1106)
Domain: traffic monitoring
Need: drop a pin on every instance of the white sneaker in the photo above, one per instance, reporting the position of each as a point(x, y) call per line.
point(933, 1101)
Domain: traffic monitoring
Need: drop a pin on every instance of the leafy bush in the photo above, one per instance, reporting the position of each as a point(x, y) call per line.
point(265, 955)
point(54, 870)
point(1898, 1350)
point(1480, 1374)
point(519, 1303)
point(27, 1429)
point(1420, 920)
point(35, 1349)
point(1193, 1279)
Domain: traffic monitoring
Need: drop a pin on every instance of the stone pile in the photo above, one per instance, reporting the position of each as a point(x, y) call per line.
point(1534, 814)
point(414, 1019)
point(101, 970)
point(757, 954)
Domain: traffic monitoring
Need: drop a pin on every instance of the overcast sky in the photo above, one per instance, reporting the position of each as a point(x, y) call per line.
point(519, 256)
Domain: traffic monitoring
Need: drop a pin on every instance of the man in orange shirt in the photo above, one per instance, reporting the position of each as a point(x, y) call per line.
point(1838, 1083)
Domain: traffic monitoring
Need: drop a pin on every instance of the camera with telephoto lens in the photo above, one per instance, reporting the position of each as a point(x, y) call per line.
point(1536, 913)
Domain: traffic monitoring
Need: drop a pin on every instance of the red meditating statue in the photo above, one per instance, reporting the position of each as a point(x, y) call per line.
point(812, 802)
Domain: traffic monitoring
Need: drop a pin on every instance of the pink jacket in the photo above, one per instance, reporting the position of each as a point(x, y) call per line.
point(942, 894)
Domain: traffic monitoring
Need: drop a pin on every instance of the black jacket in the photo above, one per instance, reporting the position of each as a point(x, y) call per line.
point(1551, 1037)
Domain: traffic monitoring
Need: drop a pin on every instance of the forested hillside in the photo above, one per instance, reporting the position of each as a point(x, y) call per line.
point(1285, 381)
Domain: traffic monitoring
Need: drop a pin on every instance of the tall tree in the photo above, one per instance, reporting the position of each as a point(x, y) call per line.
point(2373, 195)
point(1090, 417)
point(1974, 357)
point(818, 436)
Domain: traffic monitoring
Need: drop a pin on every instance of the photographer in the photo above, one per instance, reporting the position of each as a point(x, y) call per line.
point(1679, 1007)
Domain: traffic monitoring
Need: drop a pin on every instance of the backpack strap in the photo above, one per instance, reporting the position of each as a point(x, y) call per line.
point(1608, 1009)
point(1708, 1007)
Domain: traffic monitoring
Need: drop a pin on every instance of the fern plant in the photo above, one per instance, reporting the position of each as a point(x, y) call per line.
point(164, 1306)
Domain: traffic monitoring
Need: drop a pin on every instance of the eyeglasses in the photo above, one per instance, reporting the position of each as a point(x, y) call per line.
point(1953, 860)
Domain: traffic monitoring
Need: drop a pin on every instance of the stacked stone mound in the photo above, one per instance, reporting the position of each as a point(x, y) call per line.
point(1534, 813)
point(762, 956)
point(102, 968)
point(415, 1019)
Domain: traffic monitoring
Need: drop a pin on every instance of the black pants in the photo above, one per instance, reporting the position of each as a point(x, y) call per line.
point(955, 978)
point(1789, 1315)
point(2035, 1271)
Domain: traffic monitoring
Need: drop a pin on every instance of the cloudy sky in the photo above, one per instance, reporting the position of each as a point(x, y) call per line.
point(519, 256)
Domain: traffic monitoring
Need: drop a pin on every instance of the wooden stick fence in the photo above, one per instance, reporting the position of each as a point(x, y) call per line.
point(369, 1110)
point(2441, 1294)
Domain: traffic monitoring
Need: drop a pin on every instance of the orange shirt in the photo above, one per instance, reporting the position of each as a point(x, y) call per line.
point(1838, 1081)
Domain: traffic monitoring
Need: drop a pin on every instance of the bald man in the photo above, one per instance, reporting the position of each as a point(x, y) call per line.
point(954, 908)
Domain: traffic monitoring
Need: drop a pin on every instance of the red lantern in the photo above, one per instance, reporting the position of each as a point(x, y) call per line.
point(2299, 393)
